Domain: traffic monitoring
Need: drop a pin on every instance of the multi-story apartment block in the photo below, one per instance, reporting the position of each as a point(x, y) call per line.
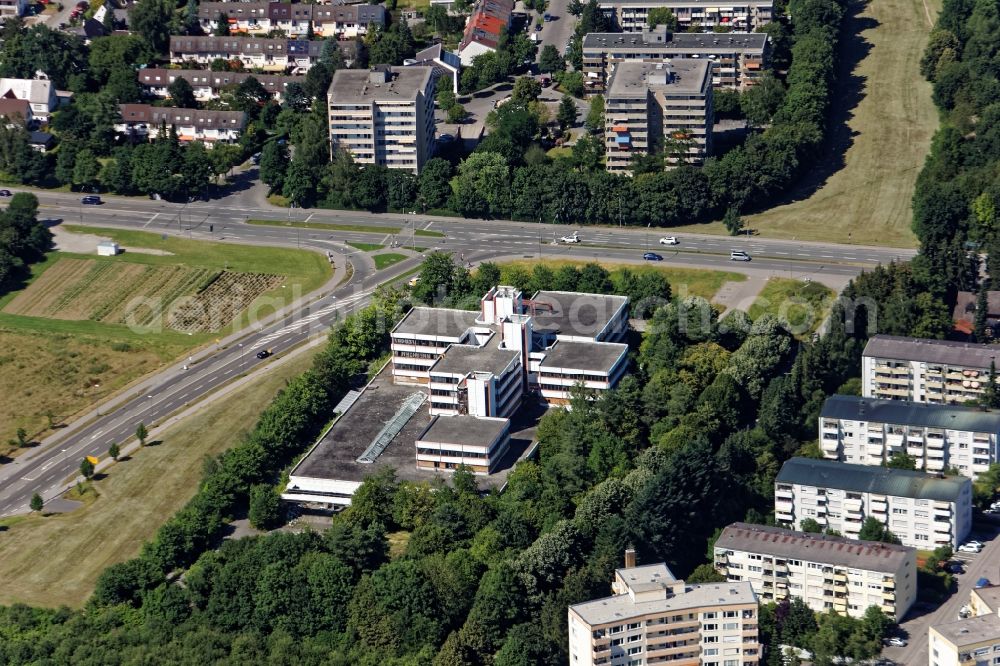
point(142, 121)
point(924, 511)
point(972, 641)
point(741, 16)
point(738, 59)
point(826, 572)
point(12, 8)
point(269, 55)
point(384, 116)
point(869, 431)
point(207, 84)
point(327, 20)
point(653, 618)
point(657, 106)
point(934, 371)
point(489, 22)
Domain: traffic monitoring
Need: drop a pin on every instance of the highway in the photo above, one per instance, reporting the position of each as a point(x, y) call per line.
point(47, 468)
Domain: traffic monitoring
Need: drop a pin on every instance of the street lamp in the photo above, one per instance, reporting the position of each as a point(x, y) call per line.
point(242, 357)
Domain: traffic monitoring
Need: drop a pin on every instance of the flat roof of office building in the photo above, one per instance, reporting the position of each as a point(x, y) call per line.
point(906, 412)
point(465, 429)
point(463, 359)
point(620, 607)
point(837, 551)
point(592, 356)
point(945, 352)
point(871, 479)
point(681, 42)
point(573, 313)
point(441, 322)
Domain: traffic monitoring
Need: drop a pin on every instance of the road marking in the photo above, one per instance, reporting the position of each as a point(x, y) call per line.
point(150, 220)
point(310, 217)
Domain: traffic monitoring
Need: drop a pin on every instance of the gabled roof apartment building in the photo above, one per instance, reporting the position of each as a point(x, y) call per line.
point(738, 59)
point(924, 511)
point(934, 371)
point(490, 20)
point(328, 20)
point(271, 55)
point(208, 84)
point(826, 572)
point(738, 15)
point(869, 431)
point(653, 618)
point(142, 121)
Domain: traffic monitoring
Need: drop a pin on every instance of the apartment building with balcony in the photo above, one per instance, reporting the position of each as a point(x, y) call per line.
point(654, 618)
point(738, 59)
point(12, 8)
point(207, 84)
point(142, 122)
point(384, 115)
point(488, 23)
point(933, 371)
point(924, 511)
point(870, 431)
point(739, 16)
point(658, 106)
point(343, 21)
point(269, 55)
point(826, 572)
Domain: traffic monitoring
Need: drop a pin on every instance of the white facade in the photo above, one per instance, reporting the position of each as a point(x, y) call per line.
point(39, 93)
point(742, 15)
point(12, 8)
point(827, 573)
point(654, 618)
point(869, 432)
point(939, 515)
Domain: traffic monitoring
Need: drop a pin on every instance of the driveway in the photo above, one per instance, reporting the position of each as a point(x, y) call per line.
point(557, 31)
point(981, 565)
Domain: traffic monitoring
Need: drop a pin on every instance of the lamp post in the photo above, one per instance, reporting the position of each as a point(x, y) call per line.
point(242, 357)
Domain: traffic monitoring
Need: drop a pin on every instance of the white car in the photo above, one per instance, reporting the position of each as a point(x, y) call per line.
point(669, 240)
point(896, 641)
point(974, 542)
point(575, 238)
point(969, 548)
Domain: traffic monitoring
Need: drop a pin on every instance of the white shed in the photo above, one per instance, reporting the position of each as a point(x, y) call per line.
point(107, 248)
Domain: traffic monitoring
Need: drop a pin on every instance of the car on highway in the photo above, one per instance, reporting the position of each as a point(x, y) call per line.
point(739, 255)
point(652, 256)
point(91, 200)
point(969, 548)
point(669, 240)
point(264, 353)
point(896, 641)
point(573, 238)
point(5, 193)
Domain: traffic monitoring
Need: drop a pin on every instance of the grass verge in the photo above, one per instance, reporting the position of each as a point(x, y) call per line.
point(429, 233)
point(802, 306)
point(387, 259)
point(365, 247)
point(56, 559)
point(362, 228)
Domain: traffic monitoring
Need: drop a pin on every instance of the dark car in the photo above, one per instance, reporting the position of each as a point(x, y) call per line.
point(955, 568)
point(91, 200)
point(5, 193)
point(652, 256)
point(264, 353)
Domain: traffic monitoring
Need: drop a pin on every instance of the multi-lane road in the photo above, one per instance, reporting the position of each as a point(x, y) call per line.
point(47, 468)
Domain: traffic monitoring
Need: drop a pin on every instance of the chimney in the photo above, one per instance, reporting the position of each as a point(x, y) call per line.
point(630, 558)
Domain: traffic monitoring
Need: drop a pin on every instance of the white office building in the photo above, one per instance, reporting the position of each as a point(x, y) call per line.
point(924, 511)
point(826, 572)
point(868, 431)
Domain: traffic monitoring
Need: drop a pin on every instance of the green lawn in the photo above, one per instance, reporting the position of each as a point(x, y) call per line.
point(387, 259)
point(802, 306)
point(365, 247)
point(430, 233)
point(362, 228)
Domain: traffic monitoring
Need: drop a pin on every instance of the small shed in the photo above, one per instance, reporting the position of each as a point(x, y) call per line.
point(107, 248)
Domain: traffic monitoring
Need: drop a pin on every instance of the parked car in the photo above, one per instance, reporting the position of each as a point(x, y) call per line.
point(739, 255)
point(896, 641)
point(669, 240)
point(547, 17)
point(982, 582)
point(976, 542)
point(969, 548)
point(91, 200)
point(955, 568)
point(652, 256)
point(5, 193)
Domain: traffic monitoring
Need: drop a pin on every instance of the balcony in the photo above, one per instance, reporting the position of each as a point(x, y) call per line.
point(783, 506)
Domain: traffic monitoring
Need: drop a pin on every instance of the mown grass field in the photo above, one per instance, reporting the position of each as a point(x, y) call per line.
point(683, 281)
point(56, 559)
point(387, 259)
point(61, 367)
point(862, 194)
point(802, 306)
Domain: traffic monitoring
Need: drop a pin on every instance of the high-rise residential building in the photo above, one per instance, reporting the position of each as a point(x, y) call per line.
point(383, 116)
point(739, 16)
point(973, 640)
point(934, 371)
point(654, 618)
point(869, 431)
point(924, 511)
point(653, 107)
point(738, 59)
point(826, 572)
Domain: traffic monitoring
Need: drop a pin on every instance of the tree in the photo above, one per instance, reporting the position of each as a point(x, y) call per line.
point(733, 222)
point(526, 89)
point(151, 20)
point(182, 94)
point(87, 468)
point(705, 573)
point(434, 187)
point(979, 329)
point(22, 437)
point(114, 451)
point(141, 433)
point(108, 21)
point(810, 525)
point(662, 16)
point(874, 529)
point(567, 113)
point(274, 164)
point(265, 507)
point(457, 114)
point(86, 169)
point(901, 460)
point(36, 502)
point(222, 25)
point(550, 60)
point(595, 115)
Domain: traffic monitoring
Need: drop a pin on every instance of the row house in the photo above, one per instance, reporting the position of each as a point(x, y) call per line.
point(738, 16)
point(332, 20)
point(489, 21)
point(142, 121)
point(269, 55)
point(207, 84)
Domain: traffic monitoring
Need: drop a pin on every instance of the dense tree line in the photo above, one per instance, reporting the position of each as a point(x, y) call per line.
point(23, 239)
point(686, 444)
